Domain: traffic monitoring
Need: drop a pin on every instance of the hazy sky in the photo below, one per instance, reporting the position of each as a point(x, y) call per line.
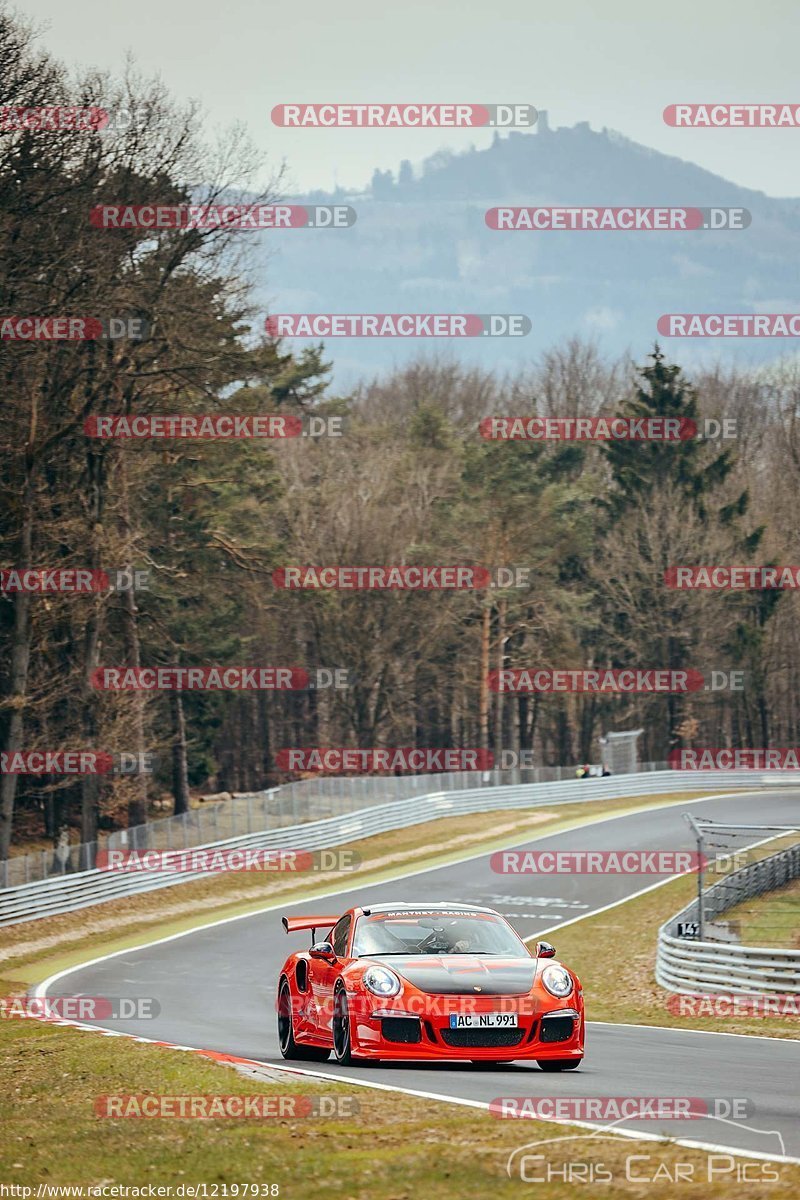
point(611, 62)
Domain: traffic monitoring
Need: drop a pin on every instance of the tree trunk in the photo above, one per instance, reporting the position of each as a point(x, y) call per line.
point(89, 785)
point(137, 804)
point(180, 772)
point(18, 675)
point(484, 681)
point(264, 736)
point(501, 658)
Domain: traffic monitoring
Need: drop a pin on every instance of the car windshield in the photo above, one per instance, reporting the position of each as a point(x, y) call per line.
point(436, 933)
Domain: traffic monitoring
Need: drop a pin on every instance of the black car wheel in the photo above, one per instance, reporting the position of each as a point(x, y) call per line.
point(288, 1046)
point(559, 1064)
point(342, 1046)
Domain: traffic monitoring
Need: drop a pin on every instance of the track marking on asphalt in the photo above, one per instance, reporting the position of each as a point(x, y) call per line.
point(40, 989)
point(634, 1134)
point(766, 1037)
point(239, 1063)
point(595, 912)
point(760, 1037)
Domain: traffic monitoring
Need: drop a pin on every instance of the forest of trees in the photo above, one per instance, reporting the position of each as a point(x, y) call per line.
point(410, 481)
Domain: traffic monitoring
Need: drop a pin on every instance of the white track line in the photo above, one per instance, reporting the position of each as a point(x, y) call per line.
point(40, 989)
point(634, 1134)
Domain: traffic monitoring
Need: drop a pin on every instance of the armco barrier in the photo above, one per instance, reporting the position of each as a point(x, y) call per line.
point(707, 968)
point(290, 804)
point(67, 893)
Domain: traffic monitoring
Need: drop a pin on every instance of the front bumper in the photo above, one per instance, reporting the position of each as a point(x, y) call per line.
point(393, 1033)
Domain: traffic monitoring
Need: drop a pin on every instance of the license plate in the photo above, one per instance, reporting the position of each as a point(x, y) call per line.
point(488, 1020)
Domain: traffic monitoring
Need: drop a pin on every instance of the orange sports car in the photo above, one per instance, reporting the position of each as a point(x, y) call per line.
point(427, 981)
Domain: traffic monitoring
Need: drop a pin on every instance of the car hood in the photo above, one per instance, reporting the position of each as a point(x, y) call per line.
point(463, 974)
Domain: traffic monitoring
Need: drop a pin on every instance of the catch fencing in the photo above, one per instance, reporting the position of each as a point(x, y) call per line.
point(71, 891)
point(293, 803)
point(705, 968)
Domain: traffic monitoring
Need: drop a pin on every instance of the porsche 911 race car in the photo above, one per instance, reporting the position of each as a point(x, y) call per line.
point(426, 981)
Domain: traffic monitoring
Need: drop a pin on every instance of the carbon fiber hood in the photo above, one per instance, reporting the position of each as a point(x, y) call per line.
point(464, 974)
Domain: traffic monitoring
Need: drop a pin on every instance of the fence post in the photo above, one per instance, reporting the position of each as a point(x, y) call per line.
point(700, 875)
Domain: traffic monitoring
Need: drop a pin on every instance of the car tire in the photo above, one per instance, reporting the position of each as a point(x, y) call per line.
point(288, 1046)
point(340, 1027)
point(559, 1064)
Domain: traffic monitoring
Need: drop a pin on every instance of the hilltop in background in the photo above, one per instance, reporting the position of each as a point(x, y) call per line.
point(420, 244)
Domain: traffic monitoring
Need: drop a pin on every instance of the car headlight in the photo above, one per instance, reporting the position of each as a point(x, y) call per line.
point(381, 981)
point(557, 981)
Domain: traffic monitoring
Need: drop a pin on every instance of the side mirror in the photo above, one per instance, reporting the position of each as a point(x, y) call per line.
point(545, 950)
point(323, 950)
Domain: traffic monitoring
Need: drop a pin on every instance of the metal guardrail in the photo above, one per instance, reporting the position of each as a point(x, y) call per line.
point(703, 968)
point(68, 893)
point(291, 804)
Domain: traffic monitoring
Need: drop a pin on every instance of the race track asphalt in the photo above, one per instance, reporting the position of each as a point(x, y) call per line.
point(215, 987)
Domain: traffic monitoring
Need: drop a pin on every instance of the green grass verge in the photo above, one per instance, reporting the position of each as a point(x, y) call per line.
point(33, 950)
point(614, 954)
point(394, 1147)
point(770, 920)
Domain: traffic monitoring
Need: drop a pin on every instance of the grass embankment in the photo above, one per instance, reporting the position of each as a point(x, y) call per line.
point(770, 920)
point(394, 1147)
point(34, 950)
point(614, 953)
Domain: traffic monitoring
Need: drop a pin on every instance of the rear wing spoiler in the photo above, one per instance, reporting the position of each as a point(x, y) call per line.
point(293, 924)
